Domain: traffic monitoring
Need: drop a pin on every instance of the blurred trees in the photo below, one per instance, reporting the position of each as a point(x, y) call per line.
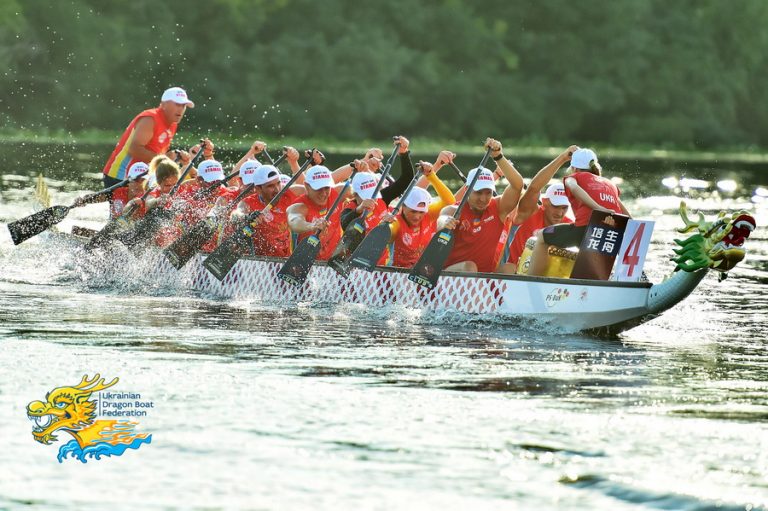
point(685, 73)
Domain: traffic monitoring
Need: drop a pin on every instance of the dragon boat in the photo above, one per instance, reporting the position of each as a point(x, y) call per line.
point(600, 307)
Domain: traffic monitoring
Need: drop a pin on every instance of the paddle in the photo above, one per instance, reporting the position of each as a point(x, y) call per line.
point(221, 260)
point(367, 254)
point(355, 231)
point(146, 227)
point(296, 268)
point(181, 251)
point(116, 223)
point(32, 225)
point(428, 268)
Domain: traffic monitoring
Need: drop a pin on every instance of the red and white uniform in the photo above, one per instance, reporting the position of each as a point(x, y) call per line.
point(119, 161)
point(331, 236)
point(477, 238)
point(272, 237)
point(410, 242)
point(602, 191)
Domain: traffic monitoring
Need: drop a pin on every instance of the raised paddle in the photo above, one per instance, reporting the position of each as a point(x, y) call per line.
point(32, 225)
point(355, 231)
point(181, 251)
point(428, 268)
point(221, 260)
point(296, 268)
point(367, 254)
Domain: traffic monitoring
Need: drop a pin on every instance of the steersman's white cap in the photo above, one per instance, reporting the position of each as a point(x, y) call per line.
point(581, 159)
point(318, 177)
point(210, 171)
point(556, 195)
point(364, 183)
point(484, 182)
point(177, 95)
point(138, 168)
point(418, 199)
point(248, 171)
point(265, 174)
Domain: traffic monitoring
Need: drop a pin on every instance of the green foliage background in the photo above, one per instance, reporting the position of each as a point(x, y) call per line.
point(683, 73)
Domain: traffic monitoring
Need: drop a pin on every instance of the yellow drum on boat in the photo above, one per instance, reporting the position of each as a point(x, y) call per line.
point(560, 260)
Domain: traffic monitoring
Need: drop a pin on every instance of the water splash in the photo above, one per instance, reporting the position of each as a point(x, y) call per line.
point(96, 451)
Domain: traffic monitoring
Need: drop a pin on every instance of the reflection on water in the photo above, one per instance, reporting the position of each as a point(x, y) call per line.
point(304, 406)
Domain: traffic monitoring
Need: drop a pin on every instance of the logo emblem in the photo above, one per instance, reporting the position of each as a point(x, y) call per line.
point(73, 410)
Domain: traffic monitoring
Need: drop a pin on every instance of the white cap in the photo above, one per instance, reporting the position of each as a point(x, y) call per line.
point(484, 182)
point(178, 96)
point(265, 174)
point(248, 171)
point(581, 159)
point(284, 179)
point(556, 195)
point(318, 177)
point(364, 183)
point(210, 171)
point(138, 168)
point(418, 199)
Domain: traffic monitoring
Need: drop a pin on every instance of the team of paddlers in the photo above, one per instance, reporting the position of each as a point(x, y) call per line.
point(313, 200)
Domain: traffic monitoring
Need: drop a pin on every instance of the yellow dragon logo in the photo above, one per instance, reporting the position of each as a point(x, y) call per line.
point(71, 410)
point(718, 244)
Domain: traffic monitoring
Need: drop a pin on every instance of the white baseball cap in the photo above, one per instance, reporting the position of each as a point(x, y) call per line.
point(178, 96)
point(484, 182)
point(265, 174)
point(138, 168)
point(364, 183)
point(556, 195)
point(284, 179)
point(248, 171)
point(418, 199)
point(210, 171)
point(318, 177)
point(581, 159)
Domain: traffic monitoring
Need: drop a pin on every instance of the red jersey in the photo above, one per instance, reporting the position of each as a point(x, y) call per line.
point(272, 237)
point(602, 191)
point(119, 161)
point(330, 238)
point(477, 237)
point(410, 242)
point(526, 230)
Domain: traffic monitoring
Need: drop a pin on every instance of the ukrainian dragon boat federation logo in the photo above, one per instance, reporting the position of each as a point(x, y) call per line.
point(74, 410)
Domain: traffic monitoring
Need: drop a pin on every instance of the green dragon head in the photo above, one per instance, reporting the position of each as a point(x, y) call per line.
point(65, 408)
point(718, 244)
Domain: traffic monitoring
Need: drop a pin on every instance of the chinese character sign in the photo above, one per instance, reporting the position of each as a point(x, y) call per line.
point(600, 246)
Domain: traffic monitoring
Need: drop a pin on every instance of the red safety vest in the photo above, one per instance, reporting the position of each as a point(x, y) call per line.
point(602, 191)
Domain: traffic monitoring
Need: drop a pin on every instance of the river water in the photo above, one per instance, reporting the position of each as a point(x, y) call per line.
point(255, 406)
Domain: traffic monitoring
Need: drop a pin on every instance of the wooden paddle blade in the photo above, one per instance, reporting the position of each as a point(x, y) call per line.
point(367, 254)
point(221, 260)
point(107, 232)
point(32, 225)
point(183, 249)
point(428, 268)
point(350, 240)
point(296, 268)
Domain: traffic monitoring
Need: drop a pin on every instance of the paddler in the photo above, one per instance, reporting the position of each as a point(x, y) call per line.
point(586, 191)
point(414, 226)
point(481, 223)
point(119, 198)
point(149, 133)
point(535, 212)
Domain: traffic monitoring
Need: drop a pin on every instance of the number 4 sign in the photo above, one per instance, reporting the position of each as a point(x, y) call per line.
point(634, 246)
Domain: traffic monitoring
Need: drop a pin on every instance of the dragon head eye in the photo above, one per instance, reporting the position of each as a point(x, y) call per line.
point(61, 404)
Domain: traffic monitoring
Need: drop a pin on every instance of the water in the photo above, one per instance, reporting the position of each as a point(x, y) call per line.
point(265, 407)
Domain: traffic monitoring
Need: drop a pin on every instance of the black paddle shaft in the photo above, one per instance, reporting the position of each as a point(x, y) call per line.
point(428, 268)
point(355, 232)
point(296, 268)
point(32, 225)
point(221, 260)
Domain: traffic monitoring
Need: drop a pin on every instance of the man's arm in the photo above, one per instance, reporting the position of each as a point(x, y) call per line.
point(511, 196)
point(143, 131)
point(529, 200)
